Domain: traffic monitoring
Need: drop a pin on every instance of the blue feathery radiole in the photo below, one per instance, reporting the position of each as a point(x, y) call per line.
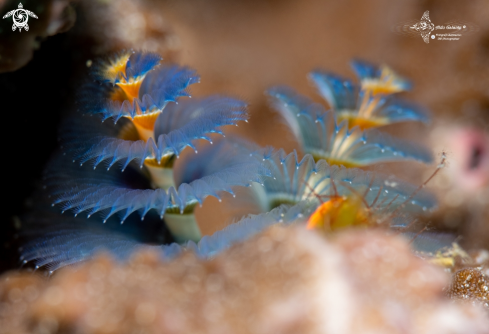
point(69, 246)
point(371, 103)
point(156, 203)
point(216, 169)
point(320, 135)
point(58, 240)
point(344, 98)
point(153, 132)
point(106, 192)
point(294, 180)
point(161, 86)
point(134, 84)
point(178, 126)
point(381, 74)
point(125, 66)
point(298, 183)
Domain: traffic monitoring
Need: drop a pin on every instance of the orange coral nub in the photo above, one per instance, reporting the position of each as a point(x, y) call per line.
point(337, 162)
point(117, 67)
point(145, 124)
point(317, 219)
point(146, 121)
point(369, 104)
point(339, 212)
point(363, 123)
point(347, 164)
point(388, 83)
point(381, 88)
point(131, 88)
point(118, 95)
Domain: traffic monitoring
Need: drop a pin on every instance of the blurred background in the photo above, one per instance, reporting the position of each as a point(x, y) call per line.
point(242, 47)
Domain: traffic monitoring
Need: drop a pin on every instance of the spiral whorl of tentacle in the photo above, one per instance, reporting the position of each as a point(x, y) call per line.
point(372, 103)
point(178, 126)
point(320, 135)
point(215, 169)
point(134, 84)
point(295, 180)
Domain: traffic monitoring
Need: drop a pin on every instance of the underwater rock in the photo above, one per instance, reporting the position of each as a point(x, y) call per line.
point(286, 280)
point(16, 49)
point(463, 187)
point(470, 284)
point(121, 24)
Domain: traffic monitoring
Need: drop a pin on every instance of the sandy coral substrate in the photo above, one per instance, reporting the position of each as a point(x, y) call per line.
point(282, 281)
